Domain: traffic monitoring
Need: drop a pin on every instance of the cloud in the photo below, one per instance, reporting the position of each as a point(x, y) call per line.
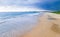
point(17, 2)
point(17, 5)
point(9, 5)
point(22, 2)
point(17, 9)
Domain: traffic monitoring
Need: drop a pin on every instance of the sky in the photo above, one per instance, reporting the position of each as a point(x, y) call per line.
point(27, 5)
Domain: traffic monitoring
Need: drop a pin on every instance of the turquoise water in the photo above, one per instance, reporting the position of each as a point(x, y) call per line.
point(6, 15)
point(3, 14)
point(20, 21)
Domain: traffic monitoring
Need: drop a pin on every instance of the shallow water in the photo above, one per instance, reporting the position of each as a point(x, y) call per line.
point(19, 21)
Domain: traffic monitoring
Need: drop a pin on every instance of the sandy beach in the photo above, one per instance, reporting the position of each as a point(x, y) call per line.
point(44, 28)
point(47, 26)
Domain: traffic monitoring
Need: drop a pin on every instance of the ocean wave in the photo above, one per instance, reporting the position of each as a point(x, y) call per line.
point(22, 23)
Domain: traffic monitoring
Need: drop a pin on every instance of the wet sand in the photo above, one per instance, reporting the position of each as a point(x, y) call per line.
point(44, 28)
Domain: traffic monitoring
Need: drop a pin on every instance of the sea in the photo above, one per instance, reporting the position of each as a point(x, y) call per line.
point(18, 21)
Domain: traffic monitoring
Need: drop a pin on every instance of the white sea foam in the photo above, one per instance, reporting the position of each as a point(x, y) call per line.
point(20, 24)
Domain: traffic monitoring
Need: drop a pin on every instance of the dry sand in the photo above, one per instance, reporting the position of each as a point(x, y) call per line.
point(44, 28)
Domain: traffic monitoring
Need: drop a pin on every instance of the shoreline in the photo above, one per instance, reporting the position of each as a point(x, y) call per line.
point(43, 29)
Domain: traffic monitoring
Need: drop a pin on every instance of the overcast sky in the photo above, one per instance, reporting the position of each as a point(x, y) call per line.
point(13, 5)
